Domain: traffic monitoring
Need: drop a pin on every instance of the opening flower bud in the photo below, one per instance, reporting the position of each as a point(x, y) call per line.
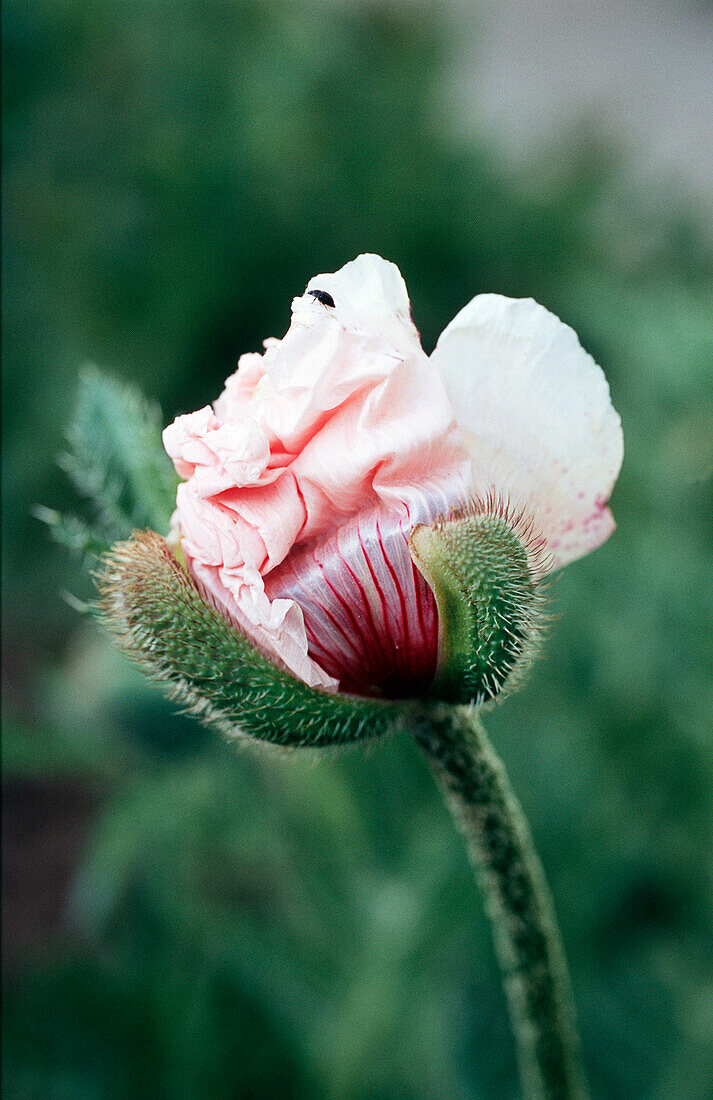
point(305, 483)
point(484, 566)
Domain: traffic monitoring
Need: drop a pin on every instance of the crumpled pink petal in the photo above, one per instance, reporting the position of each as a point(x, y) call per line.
point(353, 414)
point(216, 456)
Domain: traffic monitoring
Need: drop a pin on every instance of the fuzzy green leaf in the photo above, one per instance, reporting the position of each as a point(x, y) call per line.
point(154, 611)
point(116, 460)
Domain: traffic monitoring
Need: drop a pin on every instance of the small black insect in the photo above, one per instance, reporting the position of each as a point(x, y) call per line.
point(323, 297)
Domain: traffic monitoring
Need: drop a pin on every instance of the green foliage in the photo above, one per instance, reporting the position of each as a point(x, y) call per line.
point(237, 924)
point(115, 460)
point(156, 615)
point(485, 571)
point(74, 533)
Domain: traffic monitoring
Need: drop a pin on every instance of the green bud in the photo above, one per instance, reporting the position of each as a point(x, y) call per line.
point(485, 568)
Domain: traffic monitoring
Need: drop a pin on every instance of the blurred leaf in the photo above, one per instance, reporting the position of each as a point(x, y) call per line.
point(73, 533)
point(116, 460)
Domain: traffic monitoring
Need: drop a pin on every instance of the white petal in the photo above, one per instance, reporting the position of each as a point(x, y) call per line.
point(332, 352)
point(536, 414)
point(366, 292)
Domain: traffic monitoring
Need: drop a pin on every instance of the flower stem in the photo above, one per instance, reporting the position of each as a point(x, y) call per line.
point(527, 940)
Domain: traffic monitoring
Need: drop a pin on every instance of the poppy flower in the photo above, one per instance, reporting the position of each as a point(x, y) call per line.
point(306, 483)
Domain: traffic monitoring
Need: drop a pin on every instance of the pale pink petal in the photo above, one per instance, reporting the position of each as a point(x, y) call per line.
point(238, 528)
point(239, 455)
point(217, 456)
point(186, 433)
point(536, 414)
point(380, 446)
point(240, 386)
point(355, 417)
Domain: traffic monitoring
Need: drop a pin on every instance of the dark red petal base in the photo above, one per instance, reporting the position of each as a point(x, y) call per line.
point(371, 618)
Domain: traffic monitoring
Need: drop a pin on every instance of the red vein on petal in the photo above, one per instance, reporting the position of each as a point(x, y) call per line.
point(381, 598)
point(398, 587)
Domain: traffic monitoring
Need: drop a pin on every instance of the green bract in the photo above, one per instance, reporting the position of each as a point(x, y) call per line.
point(156, 615)
point(485, 569)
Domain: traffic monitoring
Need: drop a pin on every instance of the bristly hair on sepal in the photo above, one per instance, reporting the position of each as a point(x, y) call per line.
point(155, 614)
point(486, 564)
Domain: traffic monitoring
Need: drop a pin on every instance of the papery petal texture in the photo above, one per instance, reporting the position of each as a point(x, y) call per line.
point(537, 416)
point(215, 455)
point(355, 420)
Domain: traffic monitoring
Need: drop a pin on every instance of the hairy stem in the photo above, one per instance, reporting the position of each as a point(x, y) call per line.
point(518, 902)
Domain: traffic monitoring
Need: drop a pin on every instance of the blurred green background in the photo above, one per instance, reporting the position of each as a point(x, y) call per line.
point(185, 920)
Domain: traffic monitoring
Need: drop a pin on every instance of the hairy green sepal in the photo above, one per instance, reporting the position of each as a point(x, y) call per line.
point(155, 613)
point(485, 571)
